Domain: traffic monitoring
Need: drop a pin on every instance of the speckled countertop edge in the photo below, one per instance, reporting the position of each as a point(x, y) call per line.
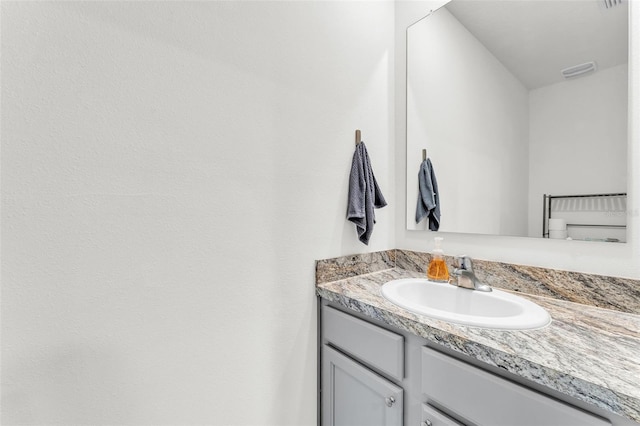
point(589, 353)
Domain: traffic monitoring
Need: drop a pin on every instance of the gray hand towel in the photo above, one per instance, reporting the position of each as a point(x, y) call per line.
point(364, 194)
point(428, 198)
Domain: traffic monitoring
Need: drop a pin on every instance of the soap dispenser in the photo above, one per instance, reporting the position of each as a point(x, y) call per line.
point(437, 270)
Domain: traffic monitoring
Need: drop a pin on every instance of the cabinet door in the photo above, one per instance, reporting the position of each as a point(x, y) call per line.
point(433, 417)
point(352, 395)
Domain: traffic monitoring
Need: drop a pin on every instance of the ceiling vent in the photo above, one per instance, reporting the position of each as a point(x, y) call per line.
point(611, 3)
point(579, 70)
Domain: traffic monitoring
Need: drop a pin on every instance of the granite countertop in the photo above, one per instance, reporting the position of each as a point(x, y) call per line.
point(587, 352)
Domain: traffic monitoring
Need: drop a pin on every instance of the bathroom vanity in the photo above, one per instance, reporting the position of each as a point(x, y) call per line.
point(381, 364)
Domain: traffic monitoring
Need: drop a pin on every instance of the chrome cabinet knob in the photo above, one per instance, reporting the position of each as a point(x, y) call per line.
point(427, 423)
point(390, 401)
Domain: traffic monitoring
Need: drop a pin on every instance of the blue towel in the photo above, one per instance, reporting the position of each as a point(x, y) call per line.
point(364, 194)
point(428, 198)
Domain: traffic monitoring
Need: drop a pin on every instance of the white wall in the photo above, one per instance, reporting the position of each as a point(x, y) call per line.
point(472, 115)
point(170, 172)
point(576, 123)
point(590, 257)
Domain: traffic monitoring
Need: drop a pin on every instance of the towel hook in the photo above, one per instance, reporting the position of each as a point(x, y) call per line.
point(358, 136)
point(424, 154)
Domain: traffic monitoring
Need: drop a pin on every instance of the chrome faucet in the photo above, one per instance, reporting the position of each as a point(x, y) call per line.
point(465, 277)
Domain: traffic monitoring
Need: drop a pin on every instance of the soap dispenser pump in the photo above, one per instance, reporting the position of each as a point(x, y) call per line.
point(437, 270)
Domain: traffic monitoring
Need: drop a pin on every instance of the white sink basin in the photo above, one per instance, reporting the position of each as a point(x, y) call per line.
point(496, 309)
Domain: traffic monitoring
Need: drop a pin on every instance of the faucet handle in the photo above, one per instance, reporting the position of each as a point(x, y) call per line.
point(464, 262)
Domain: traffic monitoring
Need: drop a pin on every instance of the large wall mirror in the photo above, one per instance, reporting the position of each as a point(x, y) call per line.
point(515, 100)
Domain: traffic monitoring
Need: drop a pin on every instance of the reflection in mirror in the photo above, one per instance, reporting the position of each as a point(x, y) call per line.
point(487, 99)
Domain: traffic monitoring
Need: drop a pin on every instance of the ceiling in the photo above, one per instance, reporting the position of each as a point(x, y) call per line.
point(535, 39)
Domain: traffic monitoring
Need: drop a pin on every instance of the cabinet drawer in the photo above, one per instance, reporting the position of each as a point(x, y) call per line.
point(483, 398)
point(370, 344)
point(433, 417)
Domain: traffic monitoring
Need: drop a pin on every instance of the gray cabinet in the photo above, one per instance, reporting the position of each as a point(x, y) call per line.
point(379, 348)
point(431, 416)
point(353, 395)
point(360, 362)
point(374, 374)
point(483, 398)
